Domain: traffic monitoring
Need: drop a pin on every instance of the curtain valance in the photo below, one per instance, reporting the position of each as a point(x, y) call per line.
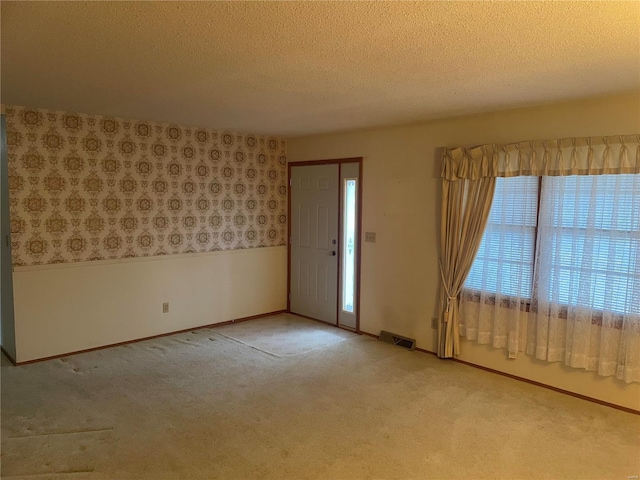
point(568, 156)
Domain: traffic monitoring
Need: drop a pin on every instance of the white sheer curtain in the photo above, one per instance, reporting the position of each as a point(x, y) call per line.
point(587, 286)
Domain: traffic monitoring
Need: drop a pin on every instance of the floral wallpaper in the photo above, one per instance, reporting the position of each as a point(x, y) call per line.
point(86, 187)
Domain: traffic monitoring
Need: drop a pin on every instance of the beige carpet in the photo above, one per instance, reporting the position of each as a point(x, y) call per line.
point(285, 335)
point(201, 406)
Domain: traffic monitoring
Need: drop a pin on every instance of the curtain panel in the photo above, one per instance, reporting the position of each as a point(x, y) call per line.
point(595, 337)
point(568, 156)
point(465, 209)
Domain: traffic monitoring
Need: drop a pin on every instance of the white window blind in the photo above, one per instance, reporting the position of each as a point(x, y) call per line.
point(590, 229)
point(504, 263)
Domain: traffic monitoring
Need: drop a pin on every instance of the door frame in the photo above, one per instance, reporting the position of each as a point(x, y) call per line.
point(339, 162)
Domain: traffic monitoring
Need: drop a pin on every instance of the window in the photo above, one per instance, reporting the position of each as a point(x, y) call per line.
point(585, 231)
point(590, 226)
point(348, 248)
point(504, 262)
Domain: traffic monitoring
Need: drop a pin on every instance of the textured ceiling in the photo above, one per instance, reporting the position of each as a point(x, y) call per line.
point(294, 68)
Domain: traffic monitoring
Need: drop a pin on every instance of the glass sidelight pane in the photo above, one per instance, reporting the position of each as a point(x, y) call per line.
point(349, 246)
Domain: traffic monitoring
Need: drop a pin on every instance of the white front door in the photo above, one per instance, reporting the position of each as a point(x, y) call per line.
point(314, 241)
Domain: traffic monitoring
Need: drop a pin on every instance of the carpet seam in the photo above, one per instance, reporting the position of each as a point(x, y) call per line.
point(275, 354)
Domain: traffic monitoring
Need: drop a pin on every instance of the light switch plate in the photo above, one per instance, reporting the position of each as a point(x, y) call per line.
point(370, 237)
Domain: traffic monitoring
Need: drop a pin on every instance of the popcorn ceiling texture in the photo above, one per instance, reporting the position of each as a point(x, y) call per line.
point(88, 187)
point(296, 68)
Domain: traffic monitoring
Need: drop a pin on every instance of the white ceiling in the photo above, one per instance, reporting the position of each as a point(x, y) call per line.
point(295, 68)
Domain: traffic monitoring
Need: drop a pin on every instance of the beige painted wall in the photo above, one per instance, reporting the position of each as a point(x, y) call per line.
point(400, 203)
point(76, 306)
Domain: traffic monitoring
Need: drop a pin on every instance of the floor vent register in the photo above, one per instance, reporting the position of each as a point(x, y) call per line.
point(388, 337)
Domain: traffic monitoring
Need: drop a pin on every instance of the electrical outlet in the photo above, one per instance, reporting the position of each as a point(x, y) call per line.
point(434, 323)
point(165, 307)
point(370, 237)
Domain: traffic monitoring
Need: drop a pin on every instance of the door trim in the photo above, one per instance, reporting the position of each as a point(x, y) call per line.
point(339, 162)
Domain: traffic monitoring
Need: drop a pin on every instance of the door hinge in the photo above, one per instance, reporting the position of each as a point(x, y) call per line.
point(289, 182)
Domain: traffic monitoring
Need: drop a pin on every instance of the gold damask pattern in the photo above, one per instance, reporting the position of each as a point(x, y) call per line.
point(88, 187)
